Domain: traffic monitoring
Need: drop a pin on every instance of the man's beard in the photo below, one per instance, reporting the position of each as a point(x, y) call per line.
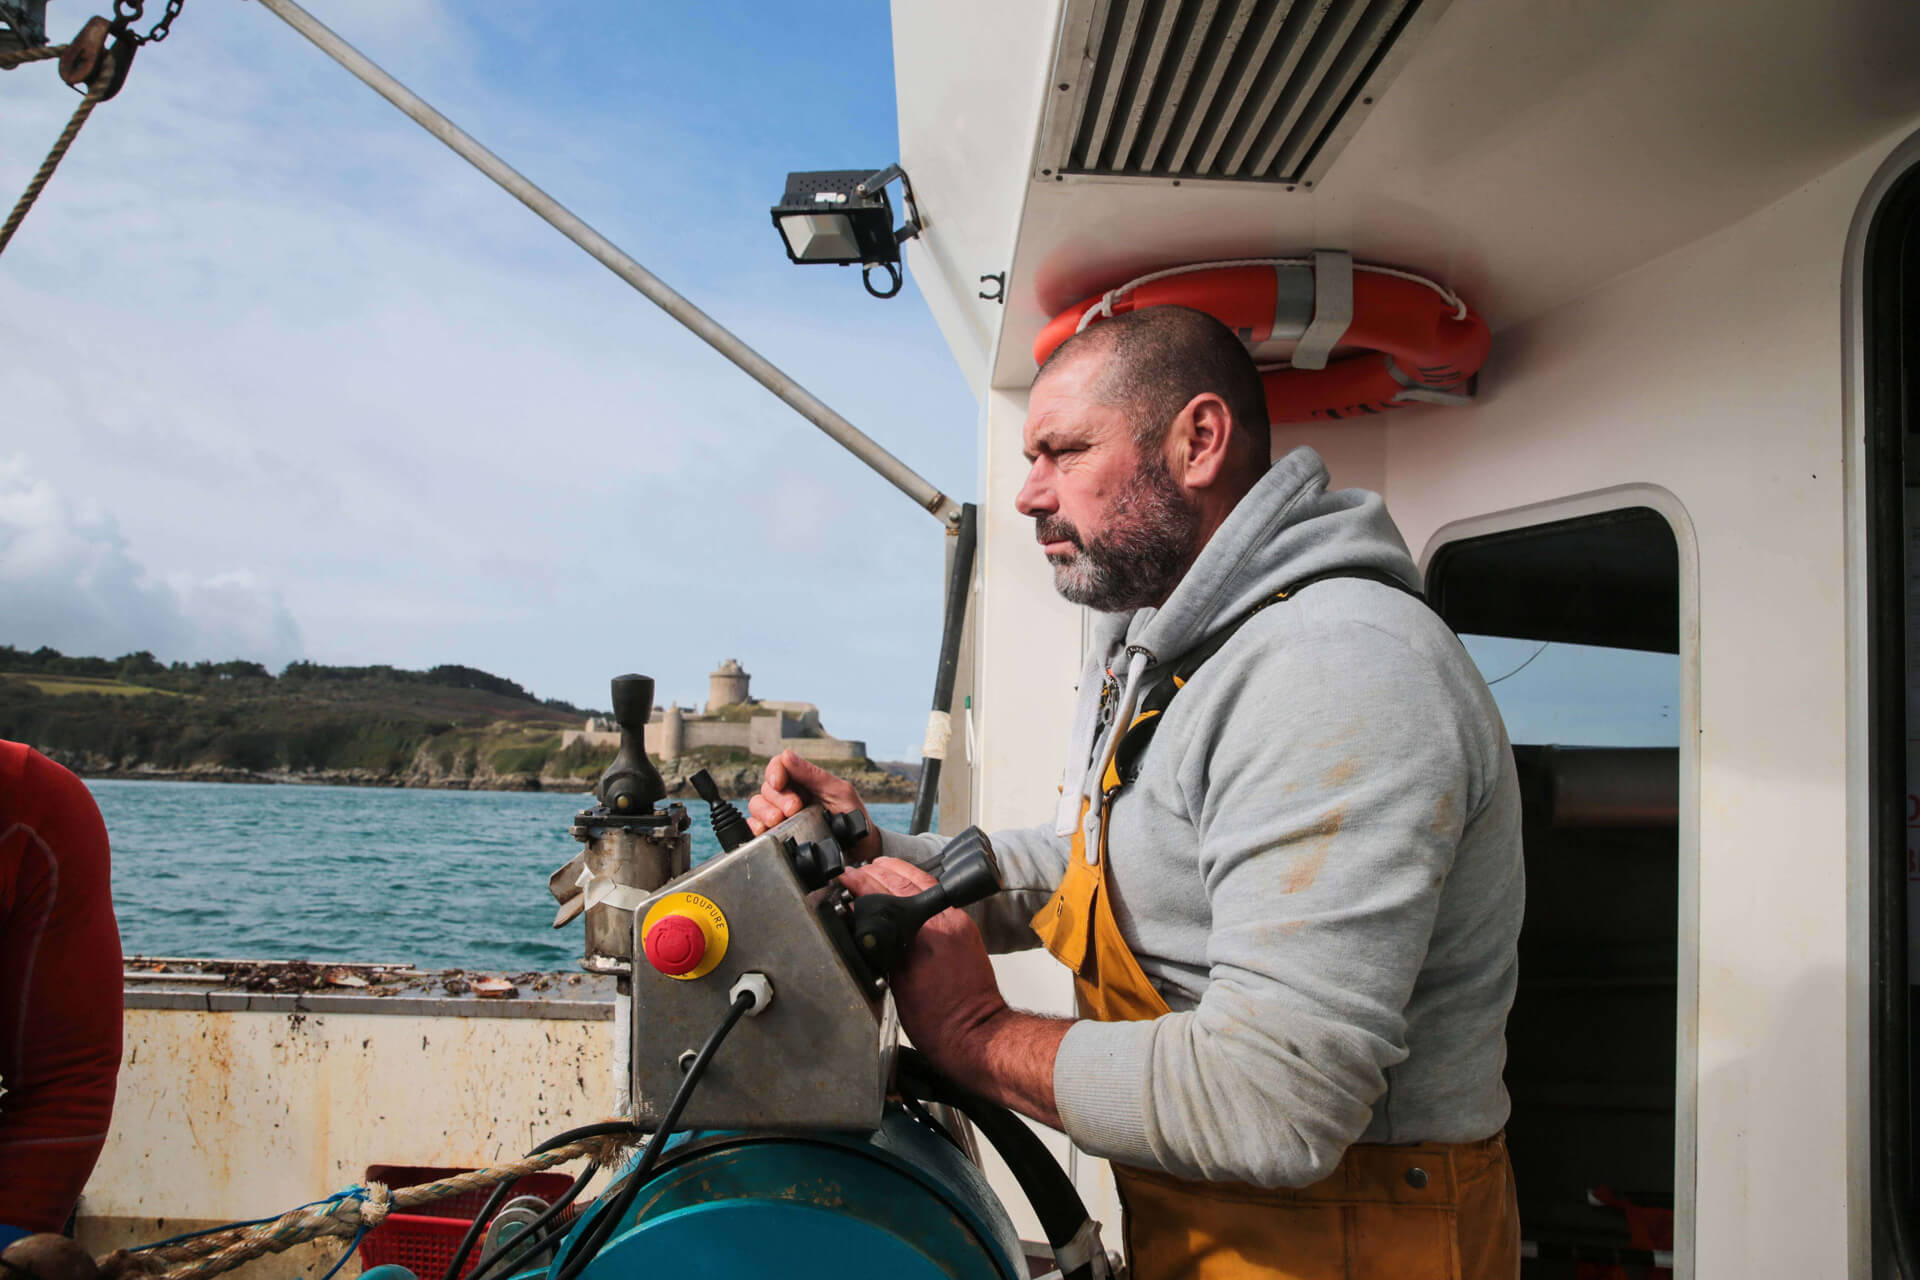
point(1146, 549)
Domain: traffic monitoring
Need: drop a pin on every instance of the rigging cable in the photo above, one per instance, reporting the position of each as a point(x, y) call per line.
point(86, 61)
point(1522, 667)
point(99, 88)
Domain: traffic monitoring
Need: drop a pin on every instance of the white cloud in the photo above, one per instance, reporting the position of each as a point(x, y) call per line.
point(266, 321)
point(68, 581)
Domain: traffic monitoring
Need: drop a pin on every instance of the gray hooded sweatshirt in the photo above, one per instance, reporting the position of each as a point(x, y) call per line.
point(1318, 866)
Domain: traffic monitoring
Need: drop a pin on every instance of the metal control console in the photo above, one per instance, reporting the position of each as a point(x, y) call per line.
point(820, 1055)
point(766, 918)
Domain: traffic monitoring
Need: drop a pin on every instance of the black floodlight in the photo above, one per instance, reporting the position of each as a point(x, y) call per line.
point(843, 216)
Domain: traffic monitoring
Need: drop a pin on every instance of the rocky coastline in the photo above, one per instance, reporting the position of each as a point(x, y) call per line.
point(430, 770)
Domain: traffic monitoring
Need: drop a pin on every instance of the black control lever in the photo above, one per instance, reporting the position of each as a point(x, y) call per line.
point(818, 861)
point(884, 925)
point(849, 829)
point(729, 828)
point(631, 785)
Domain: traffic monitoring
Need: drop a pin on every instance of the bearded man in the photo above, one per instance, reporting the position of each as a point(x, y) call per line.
point(1286, 869)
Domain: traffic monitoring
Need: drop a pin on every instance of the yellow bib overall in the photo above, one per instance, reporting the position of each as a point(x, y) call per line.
point(1421, 1211)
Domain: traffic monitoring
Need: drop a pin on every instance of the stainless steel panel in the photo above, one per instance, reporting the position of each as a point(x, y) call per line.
point(1279, 86)
point(621, 865)
point(1111, 70)
point(1186, 57)
point(1204, 97)
point(1221, 90)
point(1240, 83)
point(1285, 147)
point(818, 1057)
point(1140, 95)
point(1073, 69)
point(1414, 23)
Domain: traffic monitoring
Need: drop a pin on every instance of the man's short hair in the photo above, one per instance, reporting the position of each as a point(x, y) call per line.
point(1158, 359)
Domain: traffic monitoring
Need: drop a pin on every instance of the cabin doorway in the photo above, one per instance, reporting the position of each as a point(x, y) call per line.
point(1888, 346)
point(1576, 625)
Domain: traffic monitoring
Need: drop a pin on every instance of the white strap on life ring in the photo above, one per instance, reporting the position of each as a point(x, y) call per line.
point(1332, 309)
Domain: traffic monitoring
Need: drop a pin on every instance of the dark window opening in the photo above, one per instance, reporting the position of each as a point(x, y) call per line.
point(1891, 309)
point(1576, 625)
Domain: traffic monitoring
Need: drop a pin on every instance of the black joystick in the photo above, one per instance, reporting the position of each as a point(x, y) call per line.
point(631, 785)
point(729, 828)
point(849, 829)
point(883, 925)
point(818, 861)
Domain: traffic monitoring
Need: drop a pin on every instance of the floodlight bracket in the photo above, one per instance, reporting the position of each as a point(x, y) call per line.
point(915, 224)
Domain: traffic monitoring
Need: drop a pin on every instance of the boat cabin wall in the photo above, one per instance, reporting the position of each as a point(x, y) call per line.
point(1707, 384)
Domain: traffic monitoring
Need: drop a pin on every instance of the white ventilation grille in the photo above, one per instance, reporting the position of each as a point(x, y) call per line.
point(1219, 90)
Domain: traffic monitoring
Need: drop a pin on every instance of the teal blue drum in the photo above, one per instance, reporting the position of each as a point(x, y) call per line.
point(904, 1203)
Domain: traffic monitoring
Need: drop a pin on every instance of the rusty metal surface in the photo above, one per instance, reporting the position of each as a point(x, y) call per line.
point(248, 1113)
point(294, 986)
point(82, 57)
point(624, 860)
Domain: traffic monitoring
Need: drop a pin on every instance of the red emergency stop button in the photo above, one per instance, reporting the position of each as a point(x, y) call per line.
point(684, 935)
point(675, 945)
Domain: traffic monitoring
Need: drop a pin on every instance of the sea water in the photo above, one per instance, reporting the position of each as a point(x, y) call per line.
point(436, 879)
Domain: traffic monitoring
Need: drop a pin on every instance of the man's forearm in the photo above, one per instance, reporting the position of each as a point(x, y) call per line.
point(1009, 1059)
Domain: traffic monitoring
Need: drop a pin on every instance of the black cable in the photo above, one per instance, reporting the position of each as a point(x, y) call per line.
point(1055, 1200)
point(601, 1129)
point(601, 1230)
point(919, 1112)
point(604, 1128)
point(1522, 667)
point(866, 278)
point(477, 1228)
point(530, 1242)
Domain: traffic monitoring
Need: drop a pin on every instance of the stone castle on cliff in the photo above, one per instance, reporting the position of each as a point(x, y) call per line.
point(732, 720)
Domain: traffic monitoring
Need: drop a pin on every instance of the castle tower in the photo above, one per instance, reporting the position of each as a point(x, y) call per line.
point(673, 733)
point(727, 686)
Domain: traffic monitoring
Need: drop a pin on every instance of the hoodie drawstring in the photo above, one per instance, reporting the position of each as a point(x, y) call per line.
point(1137, 662)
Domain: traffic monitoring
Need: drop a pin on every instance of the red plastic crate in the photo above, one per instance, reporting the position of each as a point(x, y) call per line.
point(423, 1241)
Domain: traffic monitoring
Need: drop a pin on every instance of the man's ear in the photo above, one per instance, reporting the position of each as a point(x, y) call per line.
point(1200, 439)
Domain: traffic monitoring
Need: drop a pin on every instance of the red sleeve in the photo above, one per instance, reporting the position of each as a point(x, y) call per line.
point(60, 989)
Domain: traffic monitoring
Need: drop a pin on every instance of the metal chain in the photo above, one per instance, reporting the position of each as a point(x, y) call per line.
point(128, 12)
point(165, 24)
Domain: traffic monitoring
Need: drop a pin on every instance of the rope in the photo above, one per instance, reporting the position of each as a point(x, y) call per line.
point(102, 77)
point(377, 1205)
point(11, 58)
point(1104, 311)
point(350, 1212)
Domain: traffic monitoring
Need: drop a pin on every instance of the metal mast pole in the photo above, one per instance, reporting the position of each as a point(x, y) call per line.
point(609, 255)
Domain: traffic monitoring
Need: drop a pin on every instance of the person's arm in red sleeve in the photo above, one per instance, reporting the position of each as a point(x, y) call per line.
point(60, 991)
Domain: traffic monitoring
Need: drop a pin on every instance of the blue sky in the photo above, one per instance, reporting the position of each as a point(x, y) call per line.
point(1583, 695)
point(285, 378)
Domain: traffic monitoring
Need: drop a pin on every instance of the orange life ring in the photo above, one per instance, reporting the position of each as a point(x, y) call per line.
point(1422, 343)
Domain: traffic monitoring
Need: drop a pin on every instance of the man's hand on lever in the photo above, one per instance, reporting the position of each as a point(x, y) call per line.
point(948, 998)
point(951, 1008)
point(792, 782)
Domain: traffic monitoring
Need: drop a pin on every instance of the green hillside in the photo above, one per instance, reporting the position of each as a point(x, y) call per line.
point(135, 713)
